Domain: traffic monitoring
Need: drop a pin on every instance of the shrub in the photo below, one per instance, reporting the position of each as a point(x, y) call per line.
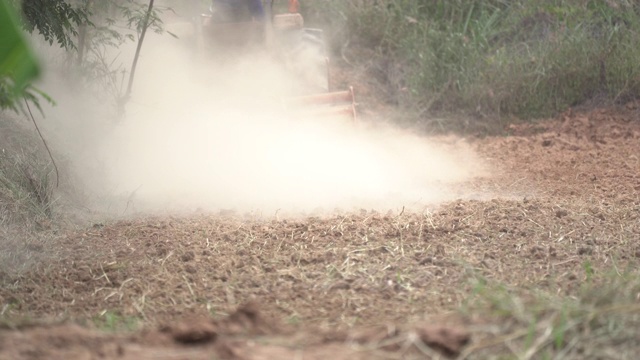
point(495, 57)
point(26, 189)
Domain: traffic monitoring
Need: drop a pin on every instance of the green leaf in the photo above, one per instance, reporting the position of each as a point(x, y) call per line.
point(17, 61)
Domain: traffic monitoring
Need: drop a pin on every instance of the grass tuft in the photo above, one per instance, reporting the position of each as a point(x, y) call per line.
point(110, 321)
point(601, 320)
point(26, 187)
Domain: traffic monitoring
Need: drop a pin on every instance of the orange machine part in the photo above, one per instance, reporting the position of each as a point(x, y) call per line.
point(294, 6)
point(324, 98)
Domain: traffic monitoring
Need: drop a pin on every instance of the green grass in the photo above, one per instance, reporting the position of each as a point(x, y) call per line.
point(114, 322)
point(600, 321)
point(491, 58)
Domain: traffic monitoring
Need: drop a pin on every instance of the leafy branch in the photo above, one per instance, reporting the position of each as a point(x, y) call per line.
point(55, 20)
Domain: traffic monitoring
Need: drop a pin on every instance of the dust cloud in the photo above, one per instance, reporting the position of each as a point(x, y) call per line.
point(200, 134)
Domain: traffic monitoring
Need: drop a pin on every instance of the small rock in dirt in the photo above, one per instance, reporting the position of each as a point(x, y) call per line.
point(44, 224)
point(188, 256)
point(584, 250)
point(561, 213)
point(247, 319)
point(161, 251)
point(449, 340)
point(193, 332)
point(190, 269)
point(35, 247)
point(335, 336)
point(341, 285)
point(537, 251)
point(377, 335)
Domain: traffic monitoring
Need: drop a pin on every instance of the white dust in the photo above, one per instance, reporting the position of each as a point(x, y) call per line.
point(204, 135)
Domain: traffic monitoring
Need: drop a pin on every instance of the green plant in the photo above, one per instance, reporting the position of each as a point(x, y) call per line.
point(26, 190)
point(602, 317)
point(114, 322)
point(488, 58)
point(55, 20)
point(18, 64)
point(97, 42)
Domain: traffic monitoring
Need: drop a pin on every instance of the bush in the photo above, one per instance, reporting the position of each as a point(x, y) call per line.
point(26, 189)
point(495, 57)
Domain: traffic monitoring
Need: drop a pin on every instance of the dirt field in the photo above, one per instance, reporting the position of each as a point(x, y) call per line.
point(354, 285)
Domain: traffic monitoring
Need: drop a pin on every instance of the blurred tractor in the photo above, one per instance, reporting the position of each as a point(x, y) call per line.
point(280, 32)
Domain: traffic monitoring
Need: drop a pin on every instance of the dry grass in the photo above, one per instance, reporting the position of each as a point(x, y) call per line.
point(419, 263)
point(548, 272)
point(599, 322)
point(517, 271)
point(26, 199)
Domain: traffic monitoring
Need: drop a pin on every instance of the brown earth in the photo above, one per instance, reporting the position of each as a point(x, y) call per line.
point(356, 285)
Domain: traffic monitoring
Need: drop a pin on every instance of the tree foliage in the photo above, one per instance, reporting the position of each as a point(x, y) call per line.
point(88, 30)
point(55, 20)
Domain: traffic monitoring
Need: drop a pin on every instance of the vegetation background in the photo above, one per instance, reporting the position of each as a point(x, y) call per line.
point(489, 59)
point(83, 31)
point(482, 58)
point(469, 64)
point(443, 65)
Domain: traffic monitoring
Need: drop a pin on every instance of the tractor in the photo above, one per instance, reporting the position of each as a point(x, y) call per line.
point(283, 34)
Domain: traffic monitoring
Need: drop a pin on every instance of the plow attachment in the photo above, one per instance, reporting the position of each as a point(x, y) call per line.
point(330, 104)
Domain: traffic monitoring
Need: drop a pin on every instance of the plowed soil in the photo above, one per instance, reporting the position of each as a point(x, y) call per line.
point(347, 286)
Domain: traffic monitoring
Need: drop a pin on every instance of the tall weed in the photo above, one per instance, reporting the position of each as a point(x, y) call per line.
point(26, 186)
point(494, 57)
